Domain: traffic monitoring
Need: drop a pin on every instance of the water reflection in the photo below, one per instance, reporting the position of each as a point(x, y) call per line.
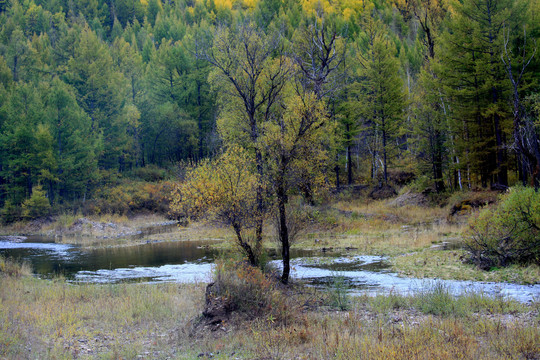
point(48, 259)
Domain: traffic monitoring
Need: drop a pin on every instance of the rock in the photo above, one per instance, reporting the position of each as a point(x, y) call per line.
point(409, 199)
point(13, 238)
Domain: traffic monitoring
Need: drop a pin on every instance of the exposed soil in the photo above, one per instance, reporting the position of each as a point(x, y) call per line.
point(409, 199)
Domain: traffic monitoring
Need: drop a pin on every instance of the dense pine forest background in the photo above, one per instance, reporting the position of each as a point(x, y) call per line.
point(103, 101)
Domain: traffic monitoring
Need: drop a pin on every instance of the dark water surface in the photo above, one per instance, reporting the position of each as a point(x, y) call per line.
point(49, 258)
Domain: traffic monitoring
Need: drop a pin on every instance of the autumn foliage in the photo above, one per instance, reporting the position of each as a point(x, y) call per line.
point(224, 190)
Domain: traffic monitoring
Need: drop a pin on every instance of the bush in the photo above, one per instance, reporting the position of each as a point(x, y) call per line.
point(132, 197)
point(150, 173)
point(436, 299)
point(245, 289)
point(37, 205)
point(508, 233)
point(338, 292)
point(10, 212)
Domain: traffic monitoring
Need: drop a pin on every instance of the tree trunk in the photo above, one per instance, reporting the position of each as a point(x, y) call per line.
point(260, 201)
point(283, 229)
point(384, 155)
point(284, 237)
point(336, 169)
point(253, 261)
point(349, 157)
point(437, 164)
point(502, 170)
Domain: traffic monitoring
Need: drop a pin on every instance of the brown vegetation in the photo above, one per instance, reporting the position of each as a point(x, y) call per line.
point(56, 319)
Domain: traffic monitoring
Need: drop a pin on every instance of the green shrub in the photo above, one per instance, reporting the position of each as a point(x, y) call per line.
point(436, 299)
point(37, 205)
point(508, 233)
point(338, 291)
point(10, 212)
point(383, 303)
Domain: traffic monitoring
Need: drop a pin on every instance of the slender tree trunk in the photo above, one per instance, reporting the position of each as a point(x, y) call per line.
point(502, 170)
point(438, 162)
point(245, 246)
point(15, 74)
point(336, 170)
point(282, 213)
point(283, 233)
point(349, 157)
point(384, 155)
point(199, 118)
point(260, 201)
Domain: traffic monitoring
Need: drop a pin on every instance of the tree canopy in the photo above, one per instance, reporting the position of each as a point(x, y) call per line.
point(92, 90)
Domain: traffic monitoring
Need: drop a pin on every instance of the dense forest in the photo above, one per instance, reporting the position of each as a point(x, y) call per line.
point(95, 91)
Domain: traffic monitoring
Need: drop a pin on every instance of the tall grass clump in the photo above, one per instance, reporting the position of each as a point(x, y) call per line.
point(247, 290)
point(338, 292)
point(11, 267)
point(383, 303)
point(508, 233)
point(437, 299)
point(480, 302)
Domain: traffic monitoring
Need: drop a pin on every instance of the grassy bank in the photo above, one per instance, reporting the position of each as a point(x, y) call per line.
point(59, 320)
point(114, 230)
point(448, 264)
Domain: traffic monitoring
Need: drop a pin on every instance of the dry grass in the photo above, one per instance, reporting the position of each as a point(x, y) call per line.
point(432, 263)
point(11, 267)
point(377, 228)
point(56, 319)
point(365, 334)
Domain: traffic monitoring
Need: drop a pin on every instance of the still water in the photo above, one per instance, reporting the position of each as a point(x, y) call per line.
point(191, 261)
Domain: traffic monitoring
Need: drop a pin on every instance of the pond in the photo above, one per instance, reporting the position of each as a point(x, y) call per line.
point(191, 261)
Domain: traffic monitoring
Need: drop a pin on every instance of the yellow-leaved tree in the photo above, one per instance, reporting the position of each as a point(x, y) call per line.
point(296, 152)
point(224, 189)
point(276, 114)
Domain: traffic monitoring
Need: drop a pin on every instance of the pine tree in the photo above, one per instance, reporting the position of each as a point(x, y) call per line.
point(101, 92)
point(430, 127)
point(75, 146)
point(383, 99)
point(475, 78)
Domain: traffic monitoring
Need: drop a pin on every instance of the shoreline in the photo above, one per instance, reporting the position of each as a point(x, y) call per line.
point(413, 251)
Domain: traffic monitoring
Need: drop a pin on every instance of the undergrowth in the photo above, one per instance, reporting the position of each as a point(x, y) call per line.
point(56, 319)
point(248, 290)
point(12, 267)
